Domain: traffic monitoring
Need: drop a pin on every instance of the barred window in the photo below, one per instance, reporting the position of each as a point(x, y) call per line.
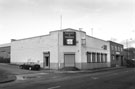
point(89, 58)
point(98, 57)
point(106, 58)
point(93, 57)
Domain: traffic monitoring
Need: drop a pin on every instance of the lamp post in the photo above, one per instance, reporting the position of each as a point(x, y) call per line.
point(127, 47)
point(127, 44)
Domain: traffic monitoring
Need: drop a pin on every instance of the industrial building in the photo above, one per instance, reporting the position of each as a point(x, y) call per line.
point(62, 48)
point(5, 53)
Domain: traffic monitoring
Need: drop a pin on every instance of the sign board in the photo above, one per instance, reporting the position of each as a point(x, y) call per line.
point(69, 38)
point(104, 47)
point(117, 52)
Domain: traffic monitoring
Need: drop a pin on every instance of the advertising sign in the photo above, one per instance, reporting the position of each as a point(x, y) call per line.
point(69, 38)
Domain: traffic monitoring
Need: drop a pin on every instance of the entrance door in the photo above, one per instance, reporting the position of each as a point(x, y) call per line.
point(118, 60)
point(69, 60)
point(46, 60)
point(121, 60)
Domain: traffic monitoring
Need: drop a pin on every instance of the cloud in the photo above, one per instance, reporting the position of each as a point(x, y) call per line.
point(94, 5)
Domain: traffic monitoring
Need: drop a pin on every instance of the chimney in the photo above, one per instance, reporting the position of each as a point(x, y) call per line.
point(80, 29)
point(13, 40)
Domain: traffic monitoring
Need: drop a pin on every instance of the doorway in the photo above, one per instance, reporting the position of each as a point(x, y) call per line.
point(122, 61)
point(46, 60)
point(69, 60)
point(118, 60)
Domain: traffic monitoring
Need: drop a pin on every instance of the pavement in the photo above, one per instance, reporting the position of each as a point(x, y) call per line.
point(10, 72)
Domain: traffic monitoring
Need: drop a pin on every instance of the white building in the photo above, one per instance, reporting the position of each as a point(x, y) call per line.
point(62, 48)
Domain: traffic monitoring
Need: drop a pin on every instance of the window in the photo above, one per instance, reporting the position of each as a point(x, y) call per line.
point(93, 57)
point(118, 48)
point(98, 57)
point(106, 58)
point(83, 41)
point(69, 41)
point(112, 47)
point(89, 57)
point(115, 48)
point(121, 49)
point(113, 57)
point(104, 47)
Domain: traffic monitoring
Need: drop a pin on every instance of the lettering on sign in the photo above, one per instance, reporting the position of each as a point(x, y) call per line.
point(69, 38)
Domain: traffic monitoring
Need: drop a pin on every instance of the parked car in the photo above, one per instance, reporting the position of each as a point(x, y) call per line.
point(130, 63)
point(30, 66)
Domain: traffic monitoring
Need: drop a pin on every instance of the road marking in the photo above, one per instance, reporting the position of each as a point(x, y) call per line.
point(53, 87)
point(19, 77)
point(94, 77)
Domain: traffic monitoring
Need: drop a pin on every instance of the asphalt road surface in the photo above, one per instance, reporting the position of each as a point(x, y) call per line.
point(114, 79)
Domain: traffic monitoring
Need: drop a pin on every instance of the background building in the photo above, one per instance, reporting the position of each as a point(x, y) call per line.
point(5, 53)
point(116, 54)
point(129, 53)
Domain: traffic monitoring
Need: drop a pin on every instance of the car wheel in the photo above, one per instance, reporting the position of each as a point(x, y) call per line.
point(30, 68)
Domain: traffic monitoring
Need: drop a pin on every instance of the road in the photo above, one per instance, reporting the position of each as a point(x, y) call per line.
point(114, 79)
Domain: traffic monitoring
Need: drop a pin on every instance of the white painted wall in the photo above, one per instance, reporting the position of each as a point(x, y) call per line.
point(69, 49)
point(32, 49)
point(95, 45)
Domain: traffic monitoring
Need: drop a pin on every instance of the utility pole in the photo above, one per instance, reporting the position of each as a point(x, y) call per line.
point(60, 21)
point(128, 45)
point(58, 41)
point(91, 31)
point(127, 49)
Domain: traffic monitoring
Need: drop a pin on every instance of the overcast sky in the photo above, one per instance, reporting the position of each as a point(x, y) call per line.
point(110, 19)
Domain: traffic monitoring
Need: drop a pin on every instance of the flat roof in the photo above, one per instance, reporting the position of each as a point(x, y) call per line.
point(47, 34)
point(30, 37)
point(5, 45)
point(97, 38)
point(115, 42)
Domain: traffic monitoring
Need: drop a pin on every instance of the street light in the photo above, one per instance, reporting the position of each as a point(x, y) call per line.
point(127, 44)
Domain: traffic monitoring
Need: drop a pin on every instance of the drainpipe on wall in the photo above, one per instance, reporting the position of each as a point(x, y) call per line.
point(127, 49)
point(58, 52)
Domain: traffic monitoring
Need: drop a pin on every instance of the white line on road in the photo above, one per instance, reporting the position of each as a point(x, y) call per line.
point(53, 87)
point(94, 77)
